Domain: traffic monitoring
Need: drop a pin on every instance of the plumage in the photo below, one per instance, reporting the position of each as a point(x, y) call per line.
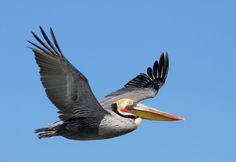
point(82, 116)
point(65, 86)
point(143, 86)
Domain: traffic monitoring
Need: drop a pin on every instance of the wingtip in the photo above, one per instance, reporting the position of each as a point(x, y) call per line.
point(33, 34)
point(50, 29)
point(30, 43)
point(166, 56)
point(31, 48)
point(41, 28)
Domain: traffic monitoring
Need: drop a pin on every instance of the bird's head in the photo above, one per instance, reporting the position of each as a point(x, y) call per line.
point(131, 109)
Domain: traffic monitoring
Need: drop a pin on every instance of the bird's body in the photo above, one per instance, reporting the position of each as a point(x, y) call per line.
point(82, 116)
point(103, 127)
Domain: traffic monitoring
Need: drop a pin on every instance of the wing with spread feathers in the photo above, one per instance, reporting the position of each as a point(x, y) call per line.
point(144, 85)
point(66, 87)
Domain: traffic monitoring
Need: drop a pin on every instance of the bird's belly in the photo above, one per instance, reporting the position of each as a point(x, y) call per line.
point(82, 134)
point(107, 128)
point(110, 132)
point(102, 133)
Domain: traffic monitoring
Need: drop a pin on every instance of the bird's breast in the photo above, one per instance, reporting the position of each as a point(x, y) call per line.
point(112, 126)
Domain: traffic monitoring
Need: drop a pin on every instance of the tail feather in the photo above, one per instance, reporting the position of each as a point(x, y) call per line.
point(45, 132)
point(41, 130)
point(49, 131)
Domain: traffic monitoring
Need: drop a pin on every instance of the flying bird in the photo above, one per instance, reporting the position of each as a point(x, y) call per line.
point(82, 116)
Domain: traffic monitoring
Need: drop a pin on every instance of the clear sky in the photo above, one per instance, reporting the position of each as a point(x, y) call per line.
point(111, 42)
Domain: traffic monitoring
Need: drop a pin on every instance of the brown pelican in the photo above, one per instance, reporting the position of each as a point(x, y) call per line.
point(82, 116)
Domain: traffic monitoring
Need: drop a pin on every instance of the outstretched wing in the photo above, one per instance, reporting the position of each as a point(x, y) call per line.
point(66, 87)
point(144, 85)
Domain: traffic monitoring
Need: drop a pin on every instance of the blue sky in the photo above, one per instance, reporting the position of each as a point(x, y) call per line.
point(111, 42)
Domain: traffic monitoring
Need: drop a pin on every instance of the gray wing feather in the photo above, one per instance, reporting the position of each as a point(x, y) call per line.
point(65, 86)
point(142, 86)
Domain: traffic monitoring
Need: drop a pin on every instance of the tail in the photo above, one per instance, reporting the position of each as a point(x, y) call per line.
point(49, 131)
point(45, 132)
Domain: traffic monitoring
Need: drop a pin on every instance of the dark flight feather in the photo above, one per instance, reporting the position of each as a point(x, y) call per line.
point(144, 85)
point(155, 77)
point(65, 86)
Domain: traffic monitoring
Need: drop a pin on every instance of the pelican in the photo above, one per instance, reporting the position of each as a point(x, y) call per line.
point(82, 116)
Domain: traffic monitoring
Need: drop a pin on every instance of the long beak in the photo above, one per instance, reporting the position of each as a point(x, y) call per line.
point(146, 112)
